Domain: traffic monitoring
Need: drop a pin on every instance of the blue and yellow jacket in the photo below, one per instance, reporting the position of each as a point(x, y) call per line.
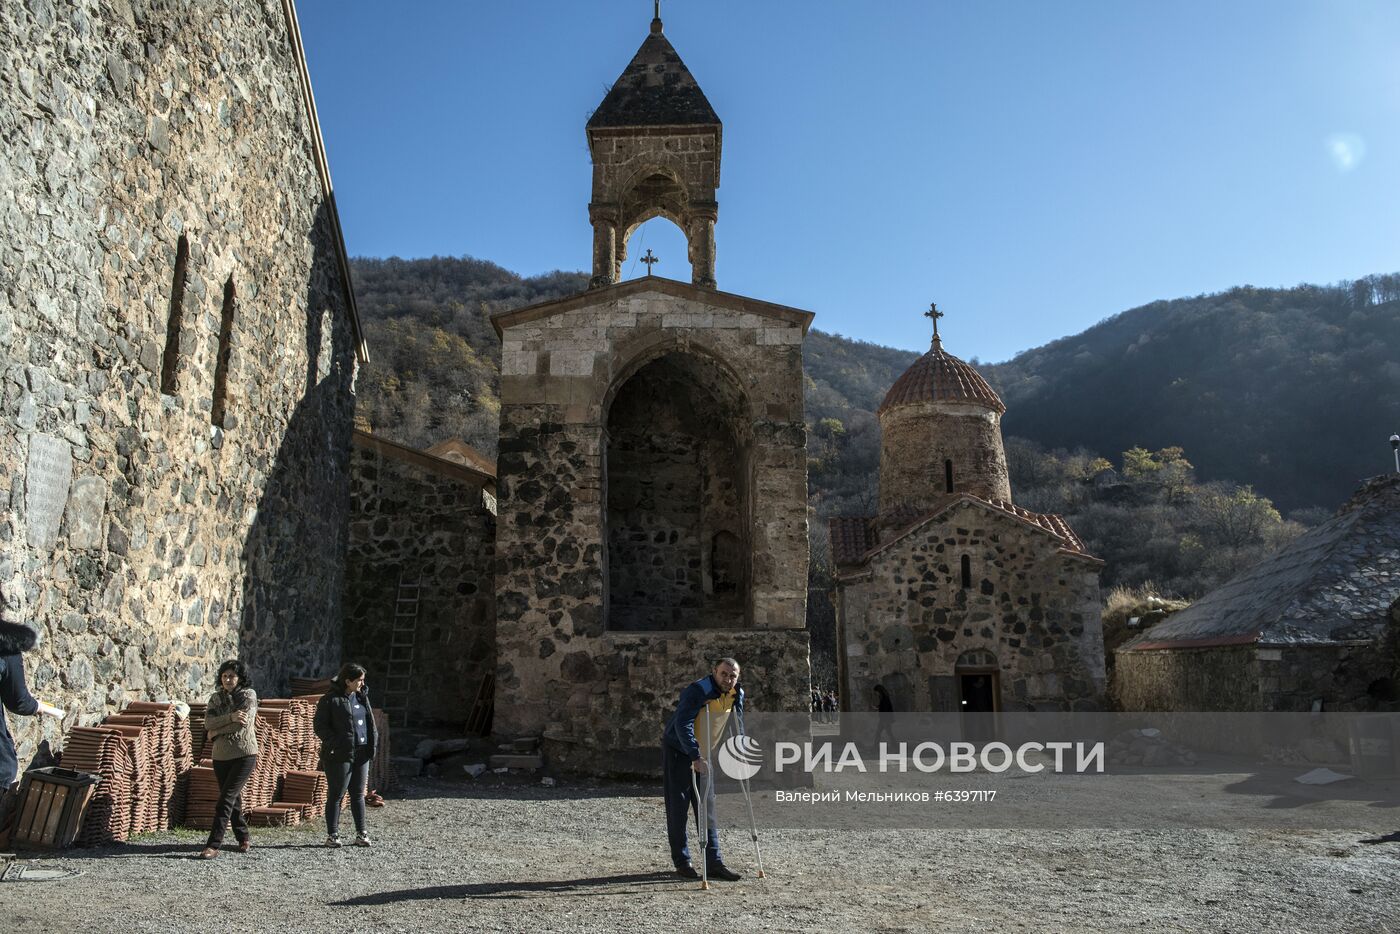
point(689, 720)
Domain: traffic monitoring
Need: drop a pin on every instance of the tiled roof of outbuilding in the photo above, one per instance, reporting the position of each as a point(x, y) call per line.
point(656, 89)
point(1338, 582)
point(938, 376)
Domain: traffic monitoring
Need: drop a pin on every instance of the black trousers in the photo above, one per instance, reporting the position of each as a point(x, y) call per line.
point(232, 775)
point(351, 775)
point(678, 795)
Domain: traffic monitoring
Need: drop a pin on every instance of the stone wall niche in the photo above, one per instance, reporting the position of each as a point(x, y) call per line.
point(676, 506)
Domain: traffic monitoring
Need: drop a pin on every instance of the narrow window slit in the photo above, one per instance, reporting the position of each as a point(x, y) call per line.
point(171, 358)
point(219, 409)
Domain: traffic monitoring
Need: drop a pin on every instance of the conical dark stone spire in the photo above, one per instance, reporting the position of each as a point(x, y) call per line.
point(656, 89)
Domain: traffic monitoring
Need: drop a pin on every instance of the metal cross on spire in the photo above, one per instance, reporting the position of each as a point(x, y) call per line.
point(656, 9)
point(934, 314)
point(649, 259)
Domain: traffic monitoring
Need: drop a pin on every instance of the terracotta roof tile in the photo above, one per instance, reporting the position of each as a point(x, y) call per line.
point(854, 540)
point(939, 376)
point(851, 538)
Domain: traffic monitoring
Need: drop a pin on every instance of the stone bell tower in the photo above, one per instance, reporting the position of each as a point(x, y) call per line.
point(655, 144)
point(653, 468)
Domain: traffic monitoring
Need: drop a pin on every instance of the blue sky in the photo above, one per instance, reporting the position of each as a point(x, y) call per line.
point(1033, 167)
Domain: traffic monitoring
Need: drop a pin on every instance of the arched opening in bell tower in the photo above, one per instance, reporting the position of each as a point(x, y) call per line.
point(677, 497)
point(664, 237)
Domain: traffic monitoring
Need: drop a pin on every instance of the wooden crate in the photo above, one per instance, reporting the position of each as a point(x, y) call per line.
point(51, 806)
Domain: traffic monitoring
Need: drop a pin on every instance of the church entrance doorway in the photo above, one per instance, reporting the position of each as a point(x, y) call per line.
point(979, 694)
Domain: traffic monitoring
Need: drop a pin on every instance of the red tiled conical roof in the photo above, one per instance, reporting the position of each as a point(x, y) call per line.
point(939, 376)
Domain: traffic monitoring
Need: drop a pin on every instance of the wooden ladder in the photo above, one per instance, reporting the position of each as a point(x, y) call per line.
point(401, 642)
point(479, 720)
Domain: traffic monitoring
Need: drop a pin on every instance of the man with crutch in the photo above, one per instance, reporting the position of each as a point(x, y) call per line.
point(687, 745)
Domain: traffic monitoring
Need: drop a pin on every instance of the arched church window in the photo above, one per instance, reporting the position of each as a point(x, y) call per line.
point(171, 358)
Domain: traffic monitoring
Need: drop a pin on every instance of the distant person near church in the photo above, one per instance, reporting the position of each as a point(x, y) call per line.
point(231, 721)
point(345, 726)
point(687, 745)
point(884, 707)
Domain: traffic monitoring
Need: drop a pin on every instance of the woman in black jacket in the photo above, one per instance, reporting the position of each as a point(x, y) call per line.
point(15, 695)
point(345, 726)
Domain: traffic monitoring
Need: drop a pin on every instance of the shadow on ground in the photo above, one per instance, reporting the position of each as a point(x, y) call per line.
point(587, 886)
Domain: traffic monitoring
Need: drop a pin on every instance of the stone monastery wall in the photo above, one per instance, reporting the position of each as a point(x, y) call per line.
point(177, 353)
point(418, 519)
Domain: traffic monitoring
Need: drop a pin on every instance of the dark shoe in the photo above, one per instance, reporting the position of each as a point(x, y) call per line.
point(687, 871)
point(245, 845)
point(208, 852)
point(722, 872)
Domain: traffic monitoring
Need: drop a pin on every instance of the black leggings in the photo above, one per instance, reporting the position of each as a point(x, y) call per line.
point(232, 775)
point(342, 776)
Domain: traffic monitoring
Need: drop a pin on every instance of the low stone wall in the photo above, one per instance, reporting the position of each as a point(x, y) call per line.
point(616, 705)
point(1250, 677)
point(1222, 678)
point(1340, 676)
point(418, 517)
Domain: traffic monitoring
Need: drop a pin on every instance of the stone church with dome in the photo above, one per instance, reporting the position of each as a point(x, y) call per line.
point(952, 597)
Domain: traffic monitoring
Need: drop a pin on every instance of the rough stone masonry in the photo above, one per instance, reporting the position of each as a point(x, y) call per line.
point(177, 351)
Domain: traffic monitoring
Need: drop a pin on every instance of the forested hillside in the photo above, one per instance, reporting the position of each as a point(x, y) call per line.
point(1294, 391)
point(434, 370)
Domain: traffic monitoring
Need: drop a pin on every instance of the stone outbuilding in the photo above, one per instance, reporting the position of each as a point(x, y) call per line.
point(1314, 626)
point(419, 585)
point(652, 460)
point(953, 597)
point(179, 345)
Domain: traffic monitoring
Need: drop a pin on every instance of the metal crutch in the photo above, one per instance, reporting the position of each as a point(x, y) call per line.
point(748, 799)
point(703, 830)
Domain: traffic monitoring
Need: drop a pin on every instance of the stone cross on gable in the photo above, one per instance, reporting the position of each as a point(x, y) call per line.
point(934, 314)
point(649, 259)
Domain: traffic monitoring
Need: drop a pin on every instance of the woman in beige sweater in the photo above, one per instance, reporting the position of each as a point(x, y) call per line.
point(231, 721)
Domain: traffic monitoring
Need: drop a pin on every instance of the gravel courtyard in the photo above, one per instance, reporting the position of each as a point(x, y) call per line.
point(500, 856)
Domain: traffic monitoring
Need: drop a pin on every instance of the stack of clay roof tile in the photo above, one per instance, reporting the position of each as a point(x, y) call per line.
point(302, 687)
point(157, 769)
point(275, 815)
point(305, 747)
point(198, 738)
point(201, 797)
point(382, 776)
point(102, 750)
point(140, 754)
point(306, 788)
